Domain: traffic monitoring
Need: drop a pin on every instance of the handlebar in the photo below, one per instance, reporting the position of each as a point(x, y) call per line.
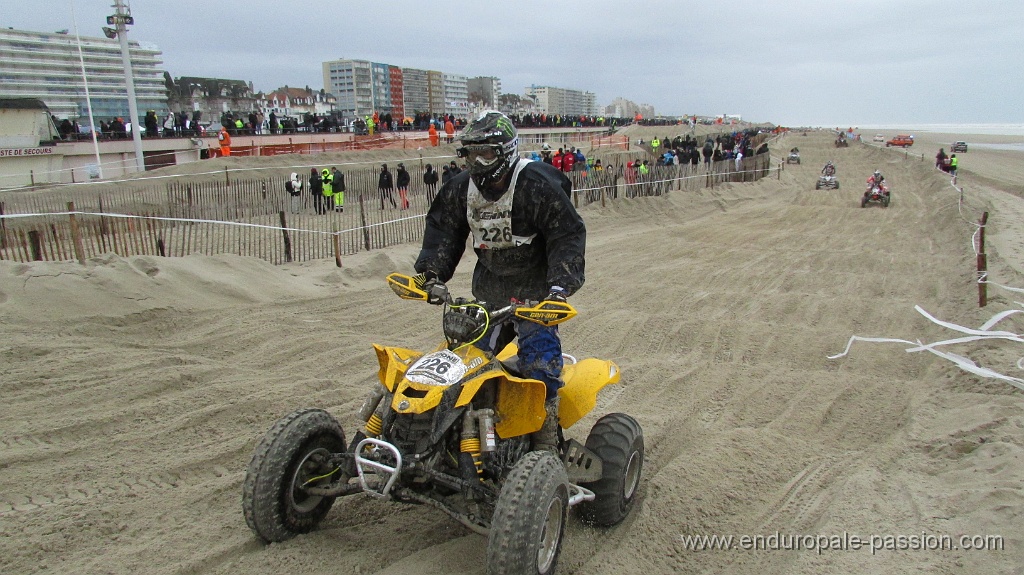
point(545, 312)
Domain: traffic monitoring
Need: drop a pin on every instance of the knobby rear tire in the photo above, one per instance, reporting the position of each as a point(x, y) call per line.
point(619, 441)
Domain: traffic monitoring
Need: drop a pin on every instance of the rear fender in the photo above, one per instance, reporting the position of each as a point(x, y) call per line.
point(583, 381)
point(520, 402)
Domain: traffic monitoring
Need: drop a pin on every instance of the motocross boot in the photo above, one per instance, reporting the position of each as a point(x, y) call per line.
point(546, 438)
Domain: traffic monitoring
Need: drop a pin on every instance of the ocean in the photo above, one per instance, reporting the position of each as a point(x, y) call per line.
point(985, 129)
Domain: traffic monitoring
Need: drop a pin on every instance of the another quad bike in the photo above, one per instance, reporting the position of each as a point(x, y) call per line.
point(451, 428)
point(794, 158)
point(828, 182)
point(842, 142)
point(876, 194)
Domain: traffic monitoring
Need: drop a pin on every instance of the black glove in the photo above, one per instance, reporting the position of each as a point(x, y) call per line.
point(437, 292)
point(557, 294)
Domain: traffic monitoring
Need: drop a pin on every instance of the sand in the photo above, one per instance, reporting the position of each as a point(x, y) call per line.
point(134, 390)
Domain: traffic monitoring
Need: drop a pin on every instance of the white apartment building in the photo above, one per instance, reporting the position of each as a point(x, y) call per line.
point(456, 96)
point(46, 66)
point(562, 101)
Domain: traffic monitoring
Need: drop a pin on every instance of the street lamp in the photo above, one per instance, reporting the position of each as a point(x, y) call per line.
point(120, 20)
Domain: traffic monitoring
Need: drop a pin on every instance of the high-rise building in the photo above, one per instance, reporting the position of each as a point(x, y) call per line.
point(456, 96)
point(415, 91)
point(562, 101)
point(484, 90)
point(46, 66)
point(435, 85)
point(351, 83)
point(397, 93)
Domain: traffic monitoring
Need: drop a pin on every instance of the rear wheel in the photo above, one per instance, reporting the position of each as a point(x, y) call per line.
point(618, 439)
point(292, 454)
point(529, 518)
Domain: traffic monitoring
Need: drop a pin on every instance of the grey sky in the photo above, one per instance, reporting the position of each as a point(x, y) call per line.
point(791, 62)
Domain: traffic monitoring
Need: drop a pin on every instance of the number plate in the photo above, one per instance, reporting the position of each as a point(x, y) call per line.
point(437, 368)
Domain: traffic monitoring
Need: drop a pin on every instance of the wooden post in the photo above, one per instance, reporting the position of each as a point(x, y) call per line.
point(287, 239)
point(35, 246)
point(982, 264)
point(76, 235)
point(336, 239)
point(362, 221)
point(227, 176)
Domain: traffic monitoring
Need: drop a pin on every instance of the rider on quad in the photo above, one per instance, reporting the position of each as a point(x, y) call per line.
point(529, 241)
point(829, 169)
point(876, 179)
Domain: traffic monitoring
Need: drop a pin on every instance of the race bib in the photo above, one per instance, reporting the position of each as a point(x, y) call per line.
point(437, 368)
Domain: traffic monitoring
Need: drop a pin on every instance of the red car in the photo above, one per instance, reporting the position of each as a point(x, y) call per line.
point(901, 140)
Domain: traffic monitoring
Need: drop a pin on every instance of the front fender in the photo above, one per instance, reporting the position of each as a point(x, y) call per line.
point(393, 363)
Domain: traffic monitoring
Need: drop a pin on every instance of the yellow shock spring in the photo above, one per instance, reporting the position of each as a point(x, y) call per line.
point(472, 447)
point(374, 426)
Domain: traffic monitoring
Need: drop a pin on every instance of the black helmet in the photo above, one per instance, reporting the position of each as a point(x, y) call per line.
point(491, 148)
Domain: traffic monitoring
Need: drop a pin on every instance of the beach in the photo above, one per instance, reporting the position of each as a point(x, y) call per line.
point(135, 389)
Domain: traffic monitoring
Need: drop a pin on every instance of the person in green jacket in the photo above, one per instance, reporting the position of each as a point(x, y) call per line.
point(328, 182)
point(952, 164)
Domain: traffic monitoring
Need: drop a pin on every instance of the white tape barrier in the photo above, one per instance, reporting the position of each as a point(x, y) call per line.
point(983, 333)
point(197, 221)
point(676, 179)
point(218, 172)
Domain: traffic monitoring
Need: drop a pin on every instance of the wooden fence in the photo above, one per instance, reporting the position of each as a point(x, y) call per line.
point(255, 217)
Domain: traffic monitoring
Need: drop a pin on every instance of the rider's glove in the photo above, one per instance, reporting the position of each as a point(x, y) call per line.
point(557, 294)
point(437, 292)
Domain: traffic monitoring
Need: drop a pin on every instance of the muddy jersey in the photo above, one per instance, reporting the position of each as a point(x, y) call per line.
point(490, 221)
point(527, 240)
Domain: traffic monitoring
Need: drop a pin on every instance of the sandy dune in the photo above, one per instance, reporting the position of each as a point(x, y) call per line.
point(134, 390)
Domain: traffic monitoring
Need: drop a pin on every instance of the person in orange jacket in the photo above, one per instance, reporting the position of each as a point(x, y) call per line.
point(449, 131)
point(225, 141)
point(434, 138)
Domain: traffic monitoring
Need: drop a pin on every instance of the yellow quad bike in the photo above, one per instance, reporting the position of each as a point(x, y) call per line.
point(451, 428)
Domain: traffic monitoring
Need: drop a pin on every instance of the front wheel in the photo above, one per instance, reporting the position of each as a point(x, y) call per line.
point(529, 518)
point(293, 453)
point(864, 201)
point(618, 439)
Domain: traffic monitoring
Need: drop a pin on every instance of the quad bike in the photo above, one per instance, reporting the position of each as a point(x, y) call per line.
point(842, 142)
point(877, 194)
point(451, 428)
point(794, 158)
point(828, 182)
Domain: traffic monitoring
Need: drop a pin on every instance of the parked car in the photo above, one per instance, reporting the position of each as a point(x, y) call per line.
point(879, 138)
point(901, 140)
point(958, 147)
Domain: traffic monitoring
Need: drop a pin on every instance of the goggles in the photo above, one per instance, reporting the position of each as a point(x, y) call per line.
point(479, 153)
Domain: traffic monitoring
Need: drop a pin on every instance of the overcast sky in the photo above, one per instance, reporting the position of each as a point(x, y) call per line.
point(790, 62)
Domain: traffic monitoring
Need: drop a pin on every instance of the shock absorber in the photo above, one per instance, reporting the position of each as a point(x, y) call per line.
point(368, 411)
point(469, 444)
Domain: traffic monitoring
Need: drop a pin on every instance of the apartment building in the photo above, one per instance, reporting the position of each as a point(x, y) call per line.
point(363, 87)
point(456, 96)
point(484, 90)
point(46, 66)
point(562, 101)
